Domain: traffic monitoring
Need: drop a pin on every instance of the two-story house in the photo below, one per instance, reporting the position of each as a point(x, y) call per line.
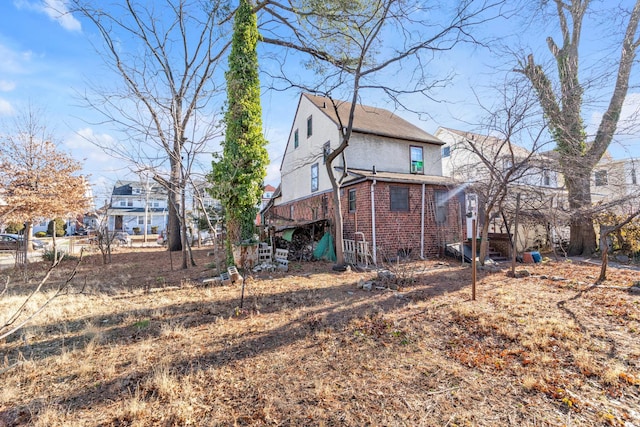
point(135, 205)
point(616, 181)
point(393, 194)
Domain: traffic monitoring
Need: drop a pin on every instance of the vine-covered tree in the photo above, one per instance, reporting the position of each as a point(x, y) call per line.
point(39, 181)
point(237, 176)
point(563, 109)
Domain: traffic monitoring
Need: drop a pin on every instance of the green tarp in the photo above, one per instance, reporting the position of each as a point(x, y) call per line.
point(288, 234)
point(325, 249)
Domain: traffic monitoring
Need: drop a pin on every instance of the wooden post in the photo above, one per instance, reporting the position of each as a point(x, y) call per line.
point(473, 258)
point(515, 238)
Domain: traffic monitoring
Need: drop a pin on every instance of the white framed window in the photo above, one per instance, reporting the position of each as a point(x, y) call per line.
point(417, 161)
point(314, 177)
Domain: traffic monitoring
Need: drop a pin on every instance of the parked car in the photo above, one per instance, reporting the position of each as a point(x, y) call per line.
point(10, 242)
point(121, 238)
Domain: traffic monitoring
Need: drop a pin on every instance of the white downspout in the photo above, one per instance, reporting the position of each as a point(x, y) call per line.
point(373, 222)
point(422, 225)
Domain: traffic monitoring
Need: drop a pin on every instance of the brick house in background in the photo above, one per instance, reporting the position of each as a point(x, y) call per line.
point(394, 196)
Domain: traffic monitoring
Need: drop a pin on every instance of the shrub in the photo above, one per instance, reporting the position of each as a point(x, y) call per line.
point(14, 228)
point(154, 229)
point(41, 234)
point(136, 230)
point(60, 225)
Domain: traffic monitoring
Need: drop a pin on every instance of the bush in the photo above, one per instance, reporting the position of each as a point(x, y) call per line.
point(136, 230)
point(41, 234)
point(60, 225)
point(14, 228)
point(154, 229)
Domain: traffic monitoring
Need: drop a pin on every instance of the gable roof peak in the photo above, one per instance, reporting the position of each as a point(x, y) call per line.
point(371, 120)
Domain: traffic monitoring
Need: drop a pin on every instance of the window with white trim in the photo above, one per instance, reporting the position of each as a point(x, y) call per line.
point(314, 177)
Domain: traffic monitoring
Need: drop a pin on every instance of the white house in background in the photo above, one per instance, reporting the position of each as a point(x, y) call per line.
point(615, 180)
point(131, 200)
point(462, 164)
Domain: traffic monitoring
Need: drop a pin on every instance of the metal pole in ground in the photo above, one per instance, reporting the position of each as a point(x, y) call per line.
point(474, 228)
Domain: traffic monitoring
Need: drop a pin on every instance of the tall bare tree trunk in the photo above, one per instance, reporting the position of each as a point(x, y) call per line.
point(173, 226)
point(583, 236)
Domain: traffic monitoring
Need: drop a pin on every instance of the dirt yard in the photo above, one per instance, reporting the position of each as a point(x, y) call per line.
point(135, 343)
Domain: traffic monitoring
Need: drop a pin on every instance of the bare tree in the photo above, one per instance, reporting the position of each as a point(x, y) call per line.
point(38, 180)
point(505, 157)
point(352, 47)
point(563, 107)
point(168, 57)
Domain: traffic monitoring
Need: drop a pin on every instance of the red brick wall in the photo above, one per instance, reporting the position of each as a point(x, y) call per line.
point(395, 231)
point(401, 231)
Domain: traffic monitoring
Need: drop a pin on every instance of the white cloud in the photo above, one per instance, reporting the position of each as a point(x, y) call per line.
point(629, 122)
point(7, 86)
point(57, 10)
point(13, 62)
point(6, 109)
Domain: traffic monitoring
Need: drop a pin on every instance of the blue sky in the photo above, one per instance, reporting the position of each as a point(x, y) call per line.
point(46, 60)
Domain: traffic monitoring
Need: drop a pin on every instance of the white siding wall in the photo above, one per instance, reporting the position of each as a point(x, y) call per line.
point(296, 166)
point(390, 155)
point(364, 152)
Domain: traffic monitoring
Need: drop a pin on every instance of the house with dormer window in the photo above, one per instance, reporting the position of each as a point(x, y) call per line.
point(393, 195)
point(135, 205)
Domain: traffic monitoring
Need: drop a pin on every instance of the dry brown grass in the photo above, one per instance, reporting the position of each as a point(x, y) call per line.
point(143, 345)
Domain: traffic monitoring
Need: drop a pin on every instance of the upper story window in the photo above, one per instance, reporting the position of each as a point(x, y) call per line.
point(129, 203)
point(296, 139)
point(309, 126)
point(446, 151)
point(326, 150)
point(314, 177)
point(417, 163)
point(123, 203)
point(634, 178)
point(352, 200)
point(601, 178)
point(135, 191)
point(546, 179)
point(399, 199)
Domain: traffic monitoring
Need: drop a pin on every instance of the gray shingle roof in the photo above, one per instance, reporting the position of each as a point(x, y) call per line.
point(372, 120)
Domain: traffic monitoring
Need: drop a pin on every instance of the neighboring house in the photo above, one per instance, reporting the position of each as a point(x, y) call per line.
point(393, 195)
point(616, 180)
point(267, 193)
point(541, 187)
point(130, 200)
point(467, 158)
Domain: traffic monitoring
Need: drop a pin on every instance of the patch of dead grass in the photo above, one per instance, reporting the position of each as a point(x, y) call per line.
point(310, 348)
